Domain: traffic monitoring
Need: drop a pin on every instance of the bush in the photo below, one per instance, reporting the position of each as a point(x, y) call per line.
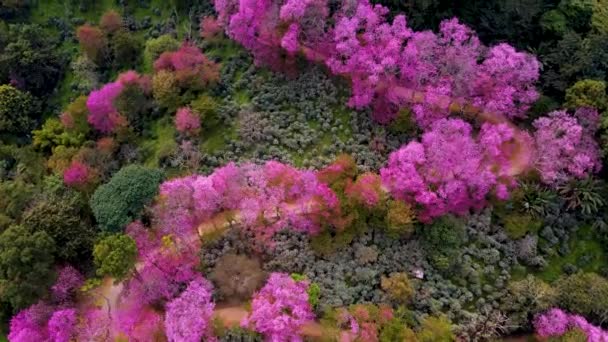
point(585, 294)
point(586, 195)
point(93, 43)
point(518, 225)
point(115, 256)
point(587, 93)
point(165, 90)
point(436, 329)
point(120, 201)
point(443, 239)
point(400, 218)
point(125, 49)
point(156, 46)
point(18, 111)
point(398, 287)
point(554, 22)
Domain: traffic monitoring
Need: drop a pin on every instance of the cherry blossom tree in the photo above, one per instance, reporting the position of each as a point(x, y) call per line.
point(450, 170)
point(280, 308)
point(565, 147)
point(187, 121)
point(188, 317)
point(556, 322)
point(77, 174)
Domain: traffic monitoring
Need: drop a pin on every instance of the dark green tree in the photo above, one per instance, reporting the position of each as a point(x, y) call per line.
point(126, 49)
point(115, 256)
point(64, 216)
point(31, 58)
point(18, 111)
point(26, 266)
point(121, 200)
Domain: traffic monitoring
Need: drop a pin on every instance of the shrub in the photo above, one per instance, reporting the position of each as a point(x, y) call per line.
point(115, 256)
point(187, 121)
point(126, 49)
point(436, 329)
point(398, 287)
point(587, 93)
point(85, 77)
point(120, 201)
point(165, 90)
point(53, 133)
point(554, 22)
point(156, 46)
point(586, 195)
point(518, 225)
point(110, 22)
point(584, 293)
point(400, 218)
point(237, 277)
point(206, 106)
point(93, 42)
point(18, 111)
point(443, 239)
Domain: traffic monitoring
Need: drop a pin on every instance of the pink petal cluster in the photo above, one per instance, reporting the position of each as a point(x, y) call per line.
point(187, 121)
point(556, 322)
point(189, 64)
point(209, 27)
point(367, 189)
point(62, 325)
point(566, 148)
point(103, 115)
point(188, 316)
point(280, 309)
point(30, 325)
point(389, 65)
point(450, 170)
point(69, 280)
point(77, 174)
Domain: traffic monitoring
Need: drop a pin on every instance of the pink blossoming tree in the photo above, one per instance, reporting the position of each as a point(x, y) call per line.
point(565, 147)
point(188, 316)
point(556, 322)
point(280, 308)
point(187, 121)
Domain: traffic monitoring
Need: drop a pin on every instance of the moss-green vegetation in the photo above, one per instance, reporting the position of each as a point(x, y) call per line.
point(586, 254)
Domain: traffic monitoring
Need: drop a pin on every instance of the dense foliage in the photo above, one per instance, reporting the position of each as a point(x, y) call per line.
point(289, 170)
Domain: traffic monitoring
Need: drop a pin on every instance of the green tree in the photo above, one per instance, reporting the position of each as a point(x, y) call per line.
point(26, 265)
point(584, 293)
point(115, 256)
point(156, 46)
point(18, 111)
point(64, 216)
point(135, 105)
point(587, 93)
point(120, 201)
point(126, 49)
point(436, 329)
point(443, 239)
point(32, 59)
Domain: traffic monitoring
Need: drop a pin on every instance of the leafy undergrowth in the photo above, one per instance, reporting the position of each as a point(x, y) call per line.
point(586, 254)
